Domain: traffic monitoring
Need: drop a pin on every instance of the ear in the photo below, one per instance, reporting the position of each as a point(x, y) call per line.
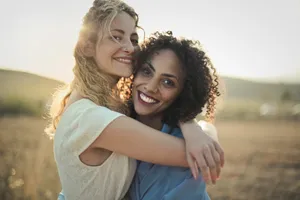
point(89, 49)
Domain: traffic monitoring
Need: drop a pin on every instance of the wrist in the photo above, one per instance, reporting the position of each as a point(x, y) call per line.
point(190, 129)
point(187, 124)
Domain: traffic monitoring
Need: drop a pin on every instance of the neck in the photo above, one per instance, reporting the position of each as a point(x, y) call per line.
point(152, 121)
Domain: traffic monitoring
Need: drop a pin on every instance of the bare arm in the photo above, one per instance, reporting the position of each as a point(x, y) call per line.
point(134, 139)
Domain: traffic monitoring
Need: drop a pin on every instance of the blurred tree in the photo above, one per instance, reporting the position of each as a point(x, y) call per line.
point(286, 96)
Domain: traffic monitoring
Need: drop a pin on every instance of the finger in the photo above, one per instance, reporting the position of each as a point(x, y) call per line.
point(191, 163)
point(197, 169)
point(201, 162)
point(216, 157)
point(211, 164)
point(221, 153)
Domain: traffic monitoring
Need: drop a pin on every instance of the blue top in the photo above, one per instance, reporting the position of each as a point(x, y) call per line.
point(153, 181)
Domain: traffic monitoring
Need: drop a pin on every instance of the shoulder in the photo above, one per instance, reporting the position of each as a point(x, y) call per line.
point(86, 109)
point(81, 123)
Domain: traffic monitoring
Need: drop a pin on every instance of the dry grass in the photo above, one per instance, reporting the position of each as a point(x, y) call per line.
point(28, 160)
point(262, 161)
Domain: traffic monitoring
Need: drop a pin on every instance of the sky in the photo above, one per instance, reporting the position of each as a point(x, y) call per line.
point(252, 39)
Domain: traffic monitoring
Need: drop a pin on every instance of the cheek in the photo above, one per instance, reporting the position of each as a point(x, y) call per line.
point(105, 51)
point(138, 80)
point(169, 96)
point(135, 85)
point(101, 56)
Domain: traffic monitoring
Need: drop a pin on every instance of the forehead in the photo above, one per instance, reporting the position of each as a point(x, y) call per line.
point(124, 22)
point(166, 61)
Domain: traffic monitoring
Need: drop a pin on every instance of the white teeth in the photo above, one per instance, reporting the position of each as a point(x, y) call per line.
point(146, 99)
point(124, 60)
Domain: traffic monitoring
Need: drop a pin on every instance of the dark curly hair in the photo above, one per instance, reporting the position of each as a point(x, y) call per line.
point(201, 82)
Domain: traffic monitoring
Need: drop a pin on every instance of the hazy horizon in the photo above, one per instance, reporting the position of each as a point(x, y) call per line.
point(263, 81)
point(252, 40)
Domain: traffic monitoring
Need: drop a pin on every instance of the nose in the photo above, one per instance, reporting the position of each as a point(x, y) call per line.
point(128, 47)
point(151, 86)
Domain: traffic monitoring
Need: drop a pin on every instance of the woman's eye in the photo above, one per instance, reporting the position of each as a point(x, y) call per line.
point(134, 42)
point(117, 38)
point(146, 72)
point(168, 83)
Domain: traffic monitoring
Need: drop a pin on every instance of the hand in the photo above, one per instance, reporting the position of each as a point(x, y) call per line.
point(202, 152)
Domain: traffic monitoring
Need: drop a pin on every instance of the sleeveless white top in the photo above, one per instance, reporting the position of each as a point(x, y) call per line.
point(81, 123)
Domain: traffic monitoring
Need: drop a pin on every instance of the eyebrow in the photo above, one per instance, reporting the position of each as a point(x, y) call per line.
point(167, 75)
point(123, 32)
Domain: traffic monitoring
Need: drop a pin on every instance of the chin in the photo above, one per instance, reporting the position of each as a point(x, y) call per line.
point(138, 112)
point(141, 112)
point(121, 75)
point(124, 72)
point(128, 74)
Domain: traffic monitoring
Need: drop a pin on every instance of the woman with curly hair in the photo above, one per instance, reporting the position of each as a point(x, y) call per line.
point(95, 143)
point(174, 80)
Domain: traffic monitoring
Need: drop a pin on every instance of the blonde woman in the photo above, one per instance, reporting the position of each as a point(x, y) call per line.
point(95, 143)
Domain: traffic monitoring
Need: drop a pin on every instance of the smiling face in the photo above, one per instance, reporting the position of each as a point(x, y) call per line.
point(114, 49)
point(157, 83)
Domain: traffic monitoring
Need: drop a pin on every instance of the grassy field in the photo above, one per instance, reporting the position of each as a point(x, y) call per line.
point(262, 160)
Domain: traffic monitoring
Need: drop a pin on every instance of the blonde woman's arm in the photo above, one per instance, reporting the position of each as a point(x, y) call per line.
point(100, 127)
point(134, 139)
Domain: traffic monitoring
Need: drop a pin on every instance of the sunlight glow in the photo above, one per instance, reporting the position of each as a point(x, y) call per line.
point(250, 40)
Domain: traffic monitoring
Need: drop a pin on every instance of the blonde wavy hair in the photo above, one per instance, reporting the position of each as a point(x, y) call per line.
point(88, 80)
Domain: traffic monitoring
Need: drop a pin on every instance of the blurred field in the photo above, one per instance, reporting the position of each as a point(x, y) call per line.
point(26, 86)
point(262, 160)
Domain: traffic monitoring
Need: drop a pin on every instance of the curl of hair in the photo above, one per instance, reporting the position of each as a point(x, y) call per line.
point(201, 81)
point(88, 80)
